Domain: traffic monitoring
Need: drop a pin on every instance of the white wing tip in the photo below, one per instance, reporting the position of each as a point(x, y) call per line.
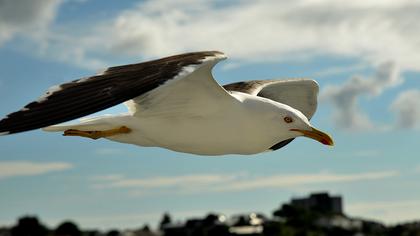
point(314, 83)
point(216, 56)
point(49, 92)
point(4, 133)
point(220, 55)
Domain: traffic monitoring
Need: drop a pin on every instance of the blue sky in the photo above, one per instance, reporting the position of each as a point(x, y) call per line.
point(363, 54)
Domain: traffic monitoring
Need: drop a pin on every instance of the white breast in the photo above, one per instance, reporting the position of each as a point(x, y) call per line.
point(226, 133)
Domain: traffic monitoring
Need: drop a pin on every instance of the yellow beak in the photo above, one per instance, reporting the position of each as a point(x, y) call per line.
point(316, 135)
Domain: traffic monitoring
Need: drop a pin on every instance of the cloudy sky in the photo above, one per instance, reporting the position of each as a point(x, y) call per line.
point(364, 54)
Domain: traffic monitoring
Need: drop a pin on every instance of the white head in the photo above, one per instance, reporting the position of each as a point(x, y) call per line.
point(298, 124)
point(287, 122)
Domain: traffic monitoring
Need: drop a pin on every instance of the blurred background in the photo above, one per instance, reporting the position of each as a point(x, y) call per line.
point(364, 54)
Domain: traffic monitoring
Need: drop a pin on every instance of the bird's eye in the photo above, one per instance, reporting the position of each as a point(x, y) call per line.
point(288, 119)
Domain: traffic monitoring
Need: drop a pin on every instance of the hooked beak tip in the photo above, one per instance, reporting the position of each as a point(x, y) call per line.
point(317, 135)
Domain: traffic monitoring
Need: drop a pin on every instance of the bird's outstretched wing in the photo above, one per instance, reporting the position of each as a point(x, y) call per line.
point(300, 94)
point(117, 84)
point(192, 94)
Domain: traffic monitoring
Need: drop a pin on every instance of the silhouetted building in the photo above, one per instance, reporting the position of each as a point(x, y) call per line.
point(321, 202)
point(211, 225)
point(249, 224)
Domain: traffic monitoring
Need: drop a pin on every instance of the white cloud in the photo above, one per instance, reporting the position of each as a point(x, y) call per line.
point(246, 30)
point(28, 18)
point(109, 151)
point(345, 97)
point(10, 169)
point(204, 183)
point(337, 70)
point(262, 30)
point(407, 108)
point(166, 181)
point(113, 177)
point(293, 180)
point(387, 211)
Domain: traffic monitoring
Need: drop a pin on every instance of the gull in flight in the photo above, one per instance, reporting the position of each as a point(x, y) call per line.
point(175, 103)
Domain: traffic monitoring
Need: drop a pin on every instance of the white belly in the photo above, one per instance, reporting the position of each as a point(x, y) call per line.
point(199, 135)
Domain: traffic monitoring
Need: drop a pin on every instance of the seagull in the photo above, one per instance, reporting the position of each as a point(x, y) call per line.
point(175, 103)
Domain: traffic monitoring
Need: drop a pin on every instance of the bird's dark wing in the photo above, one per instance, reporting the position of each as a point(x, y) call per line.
point(89, 95)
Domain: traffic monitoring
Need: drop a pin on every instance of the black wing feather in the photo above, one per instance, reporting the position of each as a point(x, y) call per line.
point(89, 95)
